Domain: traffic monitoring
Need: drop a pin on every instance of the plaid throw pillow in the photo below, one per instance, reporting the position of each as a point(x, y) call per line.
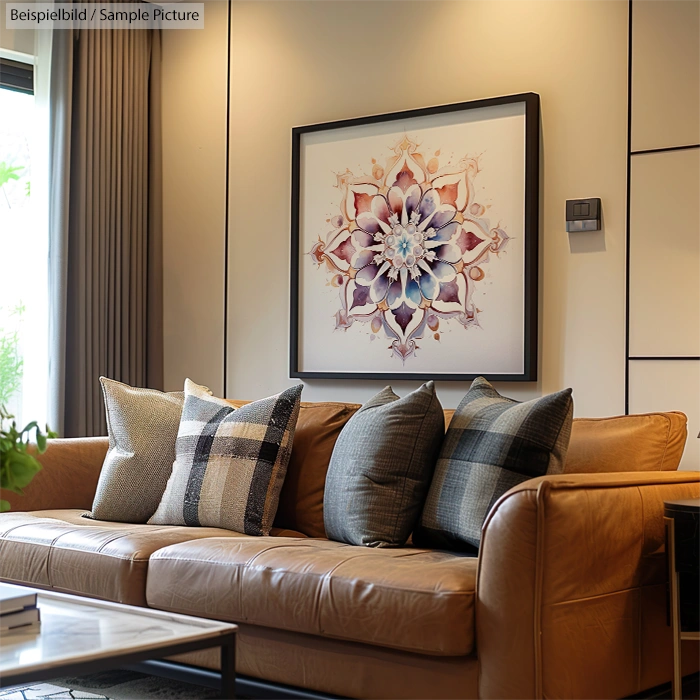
point(493, 443)
point(229, 463)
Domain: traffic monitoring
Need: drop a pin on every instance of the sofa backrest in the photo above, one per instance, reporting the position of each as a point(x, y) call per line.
point(644, 442)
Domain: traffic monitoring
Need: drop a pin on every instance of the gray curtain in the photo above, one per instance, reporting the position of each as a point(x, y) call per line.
point(105, 220)
point(56, 55)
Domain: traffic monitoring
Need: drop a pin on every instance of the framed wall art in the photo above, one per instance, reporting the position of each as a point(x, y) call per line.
point(415, 243)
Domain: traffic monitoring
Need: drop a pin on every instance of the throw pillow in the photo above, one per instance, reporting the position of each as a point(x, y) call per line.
point(142, 426)
point(229, 463)
point(381, 468)
point(493, 443)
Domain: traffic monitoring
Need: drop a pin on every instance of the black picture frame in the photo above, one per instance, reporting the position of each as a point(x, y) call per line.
point(531, 102)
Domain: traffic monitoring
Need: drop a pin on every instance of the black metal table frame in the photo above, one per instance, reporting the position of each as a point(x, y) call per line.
point(226, 641)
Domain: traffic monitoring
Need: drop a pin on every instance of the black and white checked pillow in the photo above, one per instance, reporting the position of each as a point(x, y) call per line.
point(230, 463)
point(492, 444)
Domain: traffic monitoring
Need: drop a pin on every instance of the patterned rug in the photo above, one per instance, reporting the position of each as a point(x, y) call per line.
point(111, 685)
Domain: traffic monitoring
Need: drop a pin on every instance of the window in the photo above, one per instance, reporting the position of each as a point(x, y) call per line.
point(23, 251)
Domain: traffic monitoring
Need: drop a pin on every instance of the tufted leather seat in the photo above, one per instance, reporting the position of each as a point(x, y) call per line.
point(61, 550)
point(410, 599)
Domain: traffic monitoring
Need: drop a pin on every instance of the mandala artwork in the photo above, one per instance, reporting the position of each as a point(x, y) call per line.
point(408, 247)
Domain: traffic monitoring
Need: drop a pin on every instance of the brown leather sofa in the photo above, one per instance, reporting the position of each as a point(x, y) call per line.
point(566, 598)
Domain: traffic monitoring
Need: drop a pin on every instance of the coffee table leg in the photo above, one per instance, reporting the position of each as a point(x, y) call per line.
point(228, 667)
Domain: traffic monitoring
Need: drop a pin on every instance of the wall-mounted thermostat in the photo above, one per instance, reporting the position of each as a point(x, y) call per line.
point(583, 214)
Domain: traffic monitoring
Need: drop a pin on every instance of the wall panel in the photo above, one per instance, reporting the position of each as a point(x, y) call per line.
point(665, 250)
point(670, 386)
point(664, 226)
point(194, 199)
point(665, 73)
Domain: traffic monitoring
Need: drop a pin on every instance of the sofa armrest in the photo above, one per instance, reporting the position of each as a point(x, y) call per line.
point(571, 587)
point(71, 468)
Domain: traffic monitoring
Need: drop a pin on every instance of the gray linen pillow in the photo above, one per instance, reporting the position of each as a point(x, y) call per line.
point(142, 425)
point(381, 468)
point(492, 444)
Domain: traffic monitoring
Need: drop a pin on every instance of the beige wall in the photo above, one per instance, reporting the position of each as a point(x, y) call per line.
point(301, 62)
point(20, 40)
point(194, 177)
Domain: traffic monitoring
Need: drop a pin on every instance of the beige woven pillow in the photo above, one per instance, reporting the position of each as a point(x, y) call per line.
point(142, 426)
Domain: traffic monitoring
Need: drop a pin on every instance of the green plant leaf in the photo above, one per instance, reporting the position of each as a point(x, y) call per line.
point(18, 466)
point(4, 506)
point(22, 467)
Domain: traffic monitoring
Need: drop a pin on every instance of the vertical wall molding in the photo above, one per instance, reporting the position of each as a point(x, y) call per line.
point(227, 204)
point(628, 207)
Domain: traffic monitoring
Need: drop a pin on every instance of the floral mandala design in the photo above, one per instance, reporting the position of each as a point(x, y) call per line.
point(408, 247)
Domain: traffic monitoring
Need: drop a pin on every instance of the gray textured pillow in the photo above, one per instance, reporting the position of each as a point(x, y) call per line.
point(492, 444)
point(142, 426)
point(381, 468)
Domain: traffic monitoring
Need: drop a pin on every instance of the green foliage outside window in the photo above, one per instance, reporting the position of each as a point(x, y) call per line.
point(11, 362)
point(7, 173)
point(11, 366)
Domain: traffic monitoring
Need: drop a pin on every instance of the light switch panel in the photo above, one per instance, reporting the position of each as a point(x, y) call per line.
point(583, 214)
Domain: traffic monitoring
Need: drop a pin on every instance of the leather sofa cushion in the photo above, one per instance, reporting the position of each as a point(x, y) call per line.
point(59, 549)
point(410, 599)
point(637, 443)
point(301, 500)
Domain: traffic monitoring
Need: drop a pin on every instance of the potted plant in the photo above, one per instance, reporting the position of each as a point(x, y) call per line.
point(17, 464)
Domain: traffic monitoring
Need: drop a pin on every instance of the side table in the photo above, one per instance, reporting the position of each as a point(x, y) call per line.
point(682, 520)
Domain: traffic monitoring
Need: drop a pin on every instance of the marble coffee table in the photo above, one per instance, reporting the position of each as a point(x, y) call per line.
point(80, 635)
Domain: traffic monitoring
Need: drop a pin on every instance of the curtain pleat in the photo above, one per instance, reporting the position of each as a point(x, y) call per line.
point(154, 207)
point(56, 58)
point(114, 268)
